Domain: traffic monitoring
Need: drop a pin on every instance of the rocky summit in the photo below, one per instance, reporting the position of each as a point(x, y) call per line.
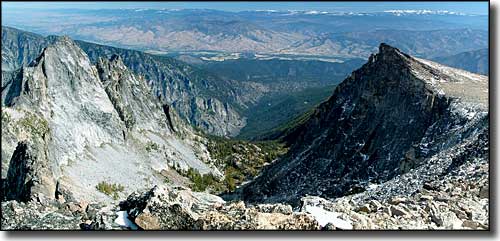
point(203, 100)
point(392, 115)
point(72, 130)
point(403, 143)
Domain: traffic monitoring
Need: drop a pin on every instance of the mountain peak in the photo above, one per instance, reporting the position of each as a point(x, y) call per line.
point(389, 53)
point(372, 120)
point(65, 49)
point(65, 38)
point(385, 48)
point(63, 41)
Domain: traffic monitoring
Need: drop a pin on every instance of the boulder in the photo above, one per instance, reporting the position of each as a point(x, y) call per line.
point(375, 205)
point(397, 200)
point(398, 211)
point(177, 208)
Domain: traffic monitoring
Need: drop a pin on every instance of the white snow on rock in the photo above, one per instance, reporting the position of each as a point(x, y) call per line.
point(123, 220)
point(324, 217)
point(401, 12)
point(458, 74)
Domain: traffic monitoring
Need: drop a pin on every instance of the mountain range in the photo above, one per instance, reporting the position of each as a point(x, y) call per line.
point(96, 137)
point(216, 97)
point(339, 34)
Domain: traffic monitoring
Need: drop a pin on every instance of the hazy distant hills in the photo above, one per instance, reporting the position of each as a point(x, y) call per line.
point(283, 75)
point(291, 32)
point(473, 61)
point(426, 44)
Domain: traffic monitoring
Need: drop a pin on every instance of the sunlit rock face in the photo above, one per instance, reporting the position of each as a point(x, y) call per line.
point(78, 125)
point(203, 100)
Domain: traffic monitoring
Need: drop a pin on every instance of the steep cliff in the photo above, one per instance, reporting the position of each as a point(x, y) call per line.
point(390, 116)
point(70, 126)
point(203, 100)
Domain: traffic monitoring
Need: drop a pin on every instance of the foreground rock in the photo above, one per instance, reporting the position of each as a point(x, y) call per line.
point(454, 201)
point(55, 215)
point(161, 208)
point(457, 200)
point(182, 209)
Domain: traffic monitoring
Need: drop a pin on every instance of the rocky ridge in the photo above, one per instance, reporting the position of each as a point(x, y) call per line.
point(69, 125)
point(458, 200)
point(390, 116)
point(436, 178)
point(201, 99)
point(161, 208)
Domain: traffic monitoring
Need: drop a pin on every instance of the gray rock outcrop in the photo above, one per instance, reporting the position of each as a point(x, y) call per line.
point(79, 125)
point(200, 99)
point(181, 209)
point(389, 117)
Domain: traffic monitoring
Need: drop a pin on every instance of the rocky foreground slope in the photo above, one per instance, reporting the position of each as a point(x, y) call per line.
point(455, 201)
point(402, 144)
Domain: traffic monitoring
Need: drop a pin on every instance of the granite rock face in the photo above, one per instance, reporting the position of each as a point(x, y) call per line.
point(73, 125)
point(126, 92)
point(29, 175)
point(66, 90)
point(203, 100)
point(390, 116)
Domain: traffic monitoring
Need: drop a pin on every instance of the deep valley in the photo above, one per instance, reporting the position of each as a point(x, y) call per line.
point(200, 119)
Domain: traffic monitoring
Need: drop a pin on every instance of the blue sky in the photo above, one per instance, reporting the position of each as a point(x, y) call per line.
point(464, 7)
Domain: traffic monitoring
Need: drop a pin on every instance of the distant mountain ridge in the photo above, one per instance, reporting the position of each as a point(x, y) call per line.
point(476, 61)
point(318, 33)
point(216, 97)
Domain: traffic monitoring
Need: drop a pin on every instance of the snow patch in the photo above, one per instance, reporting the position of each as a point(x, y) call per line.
point(123, 220)
point(373, 186)
point(324, 217)
point(400, 12)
